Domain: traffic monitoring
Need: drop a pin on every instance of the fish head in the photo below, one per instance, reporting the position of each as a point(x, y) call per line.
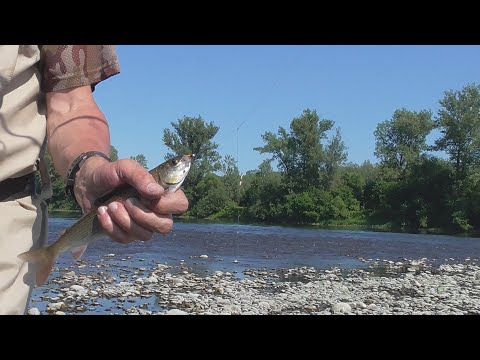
point(173, 172)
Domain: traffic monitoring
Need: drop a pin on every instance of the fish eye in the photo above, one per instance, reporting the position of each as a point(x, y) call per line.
point(174, 162)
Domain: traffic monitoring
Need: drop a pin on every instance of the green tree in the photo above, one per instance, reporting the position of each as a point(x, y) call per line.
point(300, 153)
point(231, 178)
point(355, 182)
point(60, 200)
point(113, 153)
point(401, 140)
point(459, 123)
point(212, 197)
point(192, 135)
point(427, 194)
point(335, 156)
point(141, 159)
point(263, 193)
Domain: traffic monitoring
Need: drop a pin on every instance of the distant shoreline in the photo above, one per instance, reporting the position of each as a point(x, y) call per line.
point(388, 228)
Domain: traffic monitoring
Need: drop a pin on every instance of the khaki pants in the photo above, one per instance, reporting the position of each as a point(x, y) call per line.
point(23, 226)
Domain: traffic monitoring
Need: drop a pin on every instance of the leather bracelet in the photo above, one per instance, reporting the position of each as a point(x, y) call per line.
point(76, 165)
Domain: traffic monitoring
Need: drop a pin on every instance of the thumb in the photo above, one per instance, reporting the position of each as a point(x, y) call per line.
point(132, 173)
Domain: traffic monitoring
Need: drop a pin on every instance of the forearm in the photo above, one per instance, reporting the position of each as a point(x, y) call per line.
point(75, 124)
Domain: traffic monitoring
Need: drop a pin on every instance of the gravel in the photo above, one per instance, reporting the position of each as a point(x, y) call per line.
point(414, 286)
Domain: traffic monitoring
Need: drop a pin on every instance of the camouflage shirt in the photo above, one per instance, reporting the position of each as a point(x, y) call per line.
point(67, 66)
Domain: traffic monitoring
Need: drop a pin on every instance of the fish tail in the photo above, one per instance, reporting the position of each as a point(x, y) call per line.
point(44, 259)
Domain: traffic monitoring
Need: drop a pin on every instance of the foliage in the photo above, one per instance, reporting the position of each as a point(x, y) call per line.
point(409, 188)
point(141, 159)
point(302, 158)
point(400, 141)
point(212, 196)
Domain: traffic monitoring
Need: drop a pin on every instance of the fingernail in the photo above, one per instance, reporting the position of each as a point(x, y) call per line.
point(154, 188)
point(102, 210)
point(113, 206)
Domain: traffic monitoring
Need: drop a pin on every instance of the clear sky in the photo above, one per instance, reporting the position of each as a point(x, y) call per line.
point(262, 87)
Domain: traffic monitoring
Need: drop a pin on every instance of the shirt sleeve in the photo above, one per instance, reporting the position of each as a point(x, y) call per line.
point(68, 66)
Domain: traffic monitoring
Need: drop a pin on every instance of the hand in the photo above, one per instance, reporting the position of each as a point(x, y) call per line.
point(135, 219)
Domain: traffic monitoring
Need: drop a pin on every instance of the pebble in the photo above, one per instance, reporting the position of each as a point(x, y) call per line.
point(452, 288)
point(34, 311)
point(341, 308)
point(176, 312)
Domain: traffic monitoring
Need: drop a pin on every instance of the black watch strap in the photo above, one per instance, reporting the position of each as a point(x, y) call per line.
point(76, 165)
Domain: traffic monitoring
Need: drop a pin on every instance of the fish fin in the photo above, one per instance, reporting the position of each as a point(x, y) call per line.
point(44, 259)
point(78, 251)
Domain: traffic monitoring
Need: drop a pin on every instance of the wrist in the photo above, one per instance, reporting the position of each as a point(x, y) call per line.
point(91, 163)
point(80, 166)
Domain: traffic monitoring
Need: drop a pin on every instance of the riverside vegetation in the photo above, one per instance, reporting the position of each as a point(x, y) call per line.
point(307, 180)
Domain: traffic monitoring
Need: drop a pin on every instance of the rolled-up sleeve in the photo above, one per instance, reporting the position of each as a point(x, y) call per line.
point(68, 66)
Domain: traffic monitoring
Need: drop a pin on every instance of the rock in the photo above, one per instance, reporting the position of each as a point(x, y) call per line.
point(34, 311)
point(110, 255)
point(176, 312)
point(233, 309)
point(76, 288)
point(56, 306)
point(235, 261)
point(151, 280)
point(361, 305)
point(203, 256)
point(264, 305)
point(446, 268)
point(60, 313)
point(372, 307)
point(340, 308)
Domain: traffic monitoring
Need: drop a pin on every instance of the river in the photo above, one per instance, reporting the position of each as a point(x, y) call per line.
point(234, 247)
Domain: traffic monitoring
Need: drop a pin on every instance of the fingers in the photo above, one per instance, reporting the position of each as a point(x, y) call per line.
point(147, 218)
point(110, 228)
point(131, 172)
point(118, 224)
point(132, 221)
point(169, 203)
point(135, 219)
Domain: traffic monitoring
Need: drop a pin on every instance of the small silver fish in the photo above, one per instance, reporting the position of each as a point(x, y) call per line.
point(87, 229)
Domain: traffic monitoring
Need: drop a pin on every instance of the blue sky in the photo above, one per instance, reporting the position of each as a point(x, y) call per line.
point(266, 86)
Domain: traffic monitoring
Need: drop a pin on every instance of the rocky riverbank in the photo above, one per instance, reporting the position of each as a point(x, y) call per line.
point(383, 287)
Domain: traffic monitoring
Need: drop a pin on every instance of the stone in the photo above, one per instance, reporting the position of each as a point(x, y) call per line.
point(341, 308)
point(34, 311)
point(176, 312)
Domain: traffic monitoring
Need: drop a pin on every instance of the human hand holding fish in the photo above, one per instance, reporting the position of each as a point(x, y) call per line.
point(141, 204)
point(127, 219)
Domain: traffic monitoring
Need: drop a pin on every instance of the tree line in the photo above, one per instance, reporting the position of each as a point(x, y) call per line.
point(306, 179)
